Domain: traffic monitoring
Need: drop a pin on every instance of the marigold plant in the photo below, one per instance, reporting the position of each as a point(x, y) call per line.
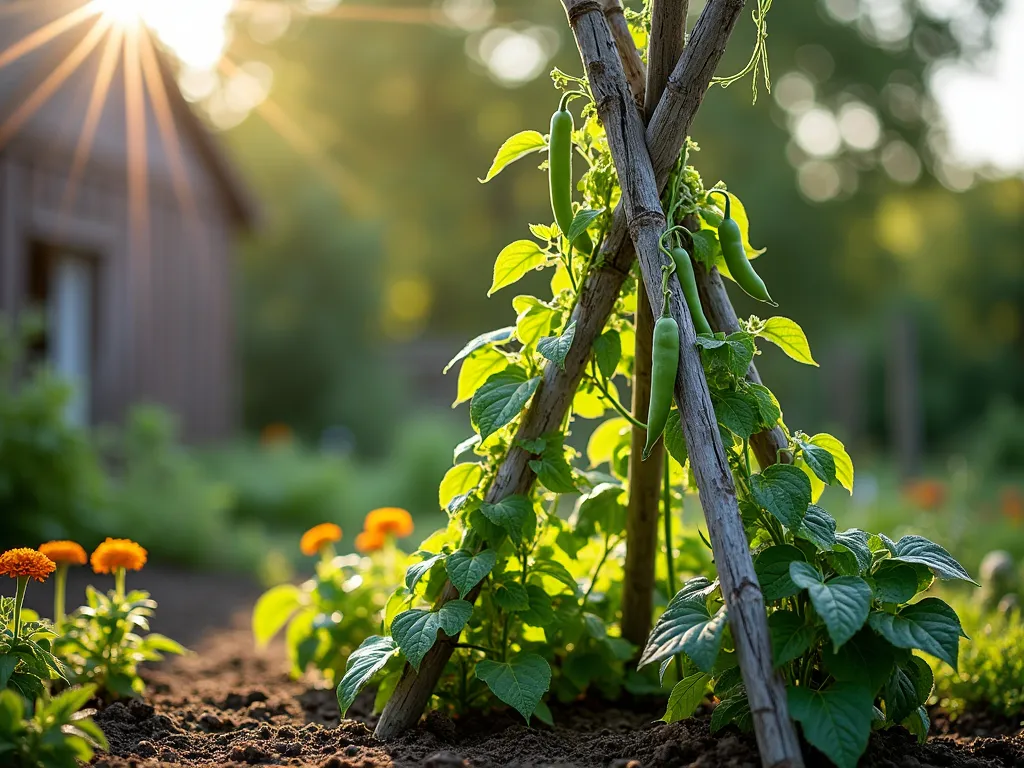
point(64, 554)
point(26, 563)
point(369, 541)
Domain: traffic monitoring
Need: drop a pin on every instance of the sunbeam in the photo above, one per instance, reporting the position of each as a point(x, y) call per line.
point(45, 90)
point(45, 34)
point(97, 100)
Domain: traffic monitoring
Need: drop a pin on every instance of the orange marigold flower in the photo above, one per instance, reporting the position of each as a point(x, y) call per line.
point(24, 562)
point(118, 553)
point(69, 552)
point(318, 536)
point(926, 494)
point(369, 541)
point(389, 520)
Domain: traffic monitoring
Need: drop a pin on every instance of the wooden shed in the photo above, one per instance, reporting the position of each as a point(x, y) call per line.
point(127, 248)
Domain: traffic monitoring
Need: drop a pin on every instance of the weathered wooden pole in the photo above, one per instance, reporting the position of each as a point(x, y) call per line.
point(668, 26)
point(624, 129)
point(666, 134)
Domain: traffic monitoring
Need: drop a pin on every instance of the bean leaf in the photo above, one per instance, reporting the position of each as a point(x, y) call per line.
point(466, 570)
point(791, 636)
point(415, 630)
point(499, 336)
point(789, 337)
point(819, 528)
point(608, 352)
point(363, 663)
point(515, 514)
point(417, 571)
point(783, 490)
point(836, 720)
point(930, 626)
point(918, 549)
point(514, 262)
point(520, 682)
point(686, 696)
point(515, 147)
point(772, 569)
point(555, 348)
point(501, 398)
point(686, 626)
point(843, 602)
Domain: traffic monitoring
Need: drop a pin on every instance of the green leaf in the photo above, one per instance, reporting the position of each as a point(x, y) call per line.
point(918, 549)
point(466, 570)
point(772, 568)
point(789, 337)
point(363, 663)
point(608, 352)
point(844, 464)
point(686, 696)
point(476, 369)
point(556, 571)
point(552, 470)
point(736, 411)
point(534, 319)
point(415, 630)
point(465, 446)
point(791, 636)
point(856, 541)
point(510, 595)
point(539, 613)
point(918, 724)
point(819, 528)
point(499, 336)
point(894, 582)
point(515, 147)
point(732, 710)
point(704, 246)
point(502, 397)
point(514, 262)
point(930, 626)
point(836, 720)
point(606, 440)
point(908, 688)
point(767, 406)
point(686, 626)
point(459, 480)
point(555, 348)
point(584, 218)
point(864, 658)
point(843, 602)
point(675, 440)
point(783, 490)
point(272, 611)
point(520, 682)
point(417, 571)
point(820, 461)
point(731, 354)
point(515, 514)
point(603, 508)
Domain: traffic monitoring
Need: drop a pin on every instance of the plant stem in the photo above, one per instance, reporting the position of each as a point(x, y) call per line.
point(615, 403)
point(608, 547)
point(59, 588)
point(18, 601)
point(481, 648)
point(119, 583)
point(670, 565)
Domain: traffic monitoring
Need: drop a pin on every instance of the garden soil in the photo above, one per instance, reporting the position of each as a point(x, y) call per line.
point(229, 704)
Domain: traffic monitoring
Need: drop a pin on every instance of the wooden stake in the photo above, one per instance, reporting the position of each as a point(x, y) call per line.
point(624, 128)
point(600, 290)
point(668, 22)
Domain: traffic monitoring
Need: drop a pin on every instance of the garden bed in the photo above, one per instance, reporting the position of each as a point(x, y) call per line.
point(229, 704)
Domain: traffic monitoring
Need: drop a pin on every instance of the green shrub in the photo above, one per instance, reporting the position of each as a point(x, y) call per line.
point(58, 734)
point(991, 673)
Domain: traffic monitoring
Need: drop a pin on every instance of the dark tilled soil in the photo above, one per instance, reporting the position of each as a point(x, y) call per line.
point(230, 705)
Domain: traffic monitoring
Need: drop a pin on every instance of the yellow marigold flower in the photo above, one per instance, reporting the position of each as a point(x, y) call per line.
point(369, 541)
point(26, 563)
point(318, 536)
point(389, 521)
point(113, 554)
point(69, 552)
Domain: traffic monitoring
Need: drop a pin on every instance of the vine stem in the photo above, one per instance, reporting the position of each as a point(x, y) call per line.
point(615, 403)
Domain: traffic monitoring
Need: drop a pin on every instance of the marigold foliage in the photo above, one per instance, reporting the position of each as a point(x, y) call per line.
point(24, 562)
point(318, 536)
point(69, 552)
point(118, 553)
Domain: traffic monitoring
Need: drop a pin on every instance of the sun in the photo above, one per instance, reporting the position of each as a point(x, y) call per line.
point(195, 30)
point(126, 13)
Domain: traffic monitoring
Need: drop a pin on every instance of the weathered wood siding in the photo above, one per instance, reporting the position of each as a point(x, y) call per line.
point(165, 320)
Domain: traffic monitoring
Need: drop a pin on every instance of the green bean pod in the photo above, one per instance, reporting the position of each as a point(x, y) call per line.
point(665, 365)
point(684, 270)
point(740, 268)
point(560, 173)
point(560, 165)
